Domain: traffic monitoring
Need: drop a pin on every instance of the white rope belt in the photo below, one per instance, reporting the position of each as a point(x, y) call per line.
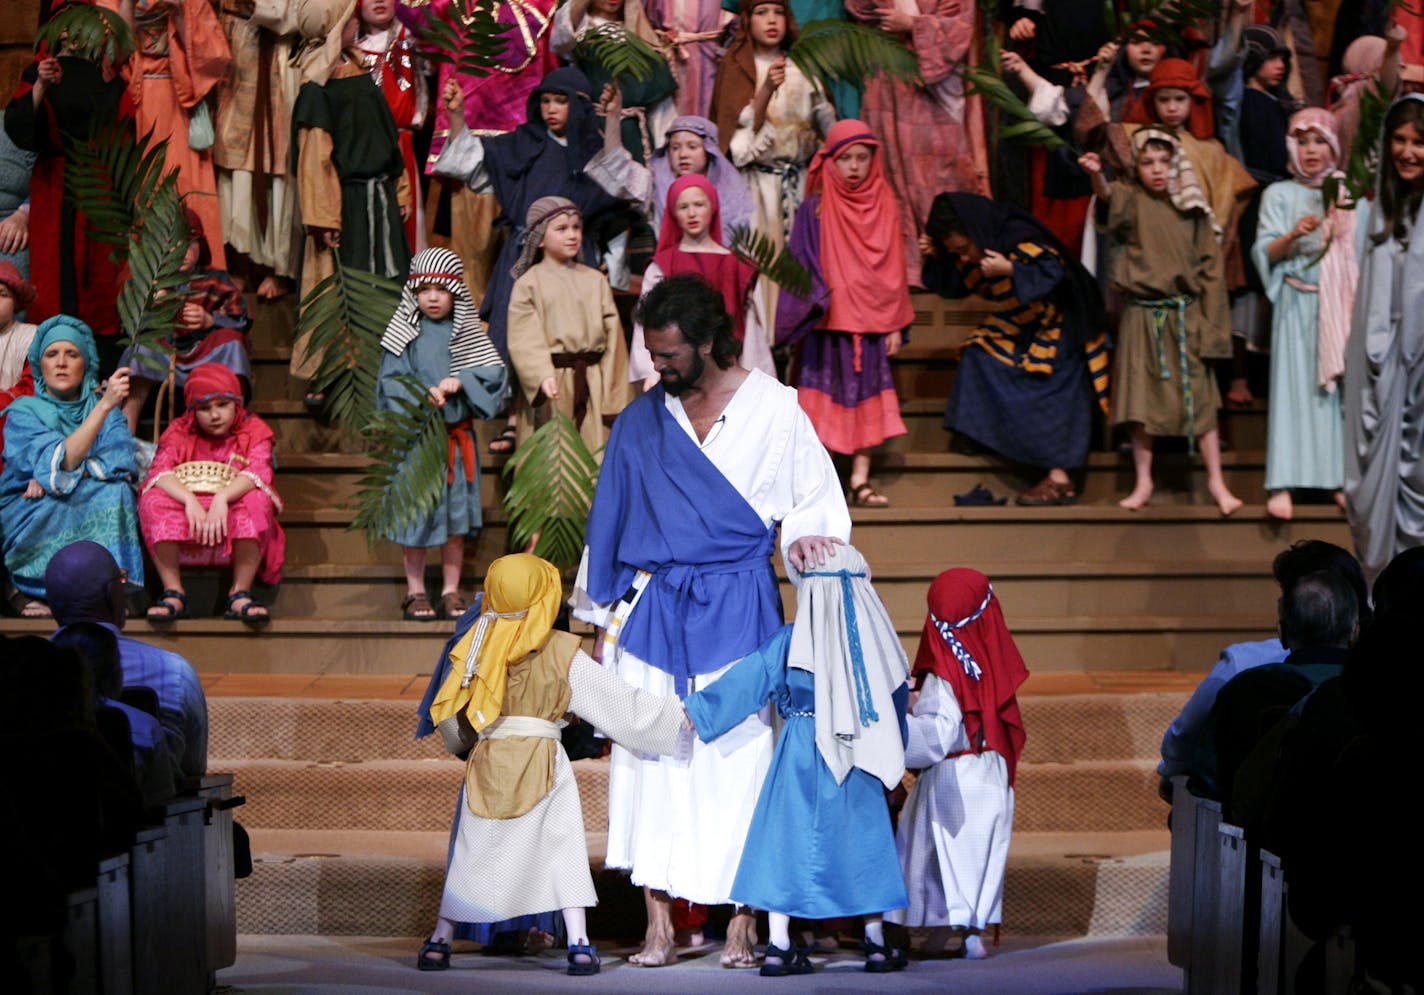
point(509, 726)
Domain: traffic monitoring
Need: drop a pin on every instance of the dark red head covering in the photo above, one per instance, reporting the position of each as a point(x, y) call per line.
point(22, 290)
point(1176, 74)
point(966, 643)
point(729, 273)
point(671, 235)
point(208, 382)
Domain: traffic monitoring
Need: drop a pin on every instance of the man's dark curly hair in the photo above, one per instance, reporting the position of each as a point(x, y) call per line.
point(694, 307)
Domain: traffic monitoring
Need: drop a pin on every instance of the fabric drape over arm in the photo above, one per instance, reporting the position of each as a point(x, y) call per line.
point(642, 722)
point(528, 346)
point(936, 725)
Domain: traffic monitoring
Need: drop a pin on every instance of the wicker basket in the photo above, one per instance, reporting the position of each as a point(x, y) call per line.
point(205, 476)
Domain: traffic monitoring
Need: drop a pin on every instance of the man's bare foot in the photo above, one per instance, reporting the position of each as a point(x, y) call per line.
point(1279, 505)
point(740, 948)
point(273, 288)
point(658, 951)
point(536, 939)
point(1138, 499)
point(1225, 500)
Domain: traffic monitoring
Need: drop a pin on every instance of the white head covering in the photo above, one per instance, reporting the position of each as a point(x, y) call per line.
point(469, 345)
point(320, 23)
point(843, 635)
point(1183, 190)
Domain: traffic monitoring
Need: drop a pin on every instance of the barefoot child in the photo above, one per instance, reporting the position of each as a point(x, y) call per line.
point(435, 337)
point(565, 337)
point(820, 843)
point(1167, 266)
point(519, 841)
point(191, 522)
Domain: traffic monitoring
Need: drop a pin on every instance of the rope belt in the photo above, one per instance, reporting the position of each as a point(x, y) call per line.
point(378, 201)
point(579, 362)
point(1296, 283)
point(510, 726)
point(857, 652)
point(461, 439)
point(1162, 307)
point(790, 173)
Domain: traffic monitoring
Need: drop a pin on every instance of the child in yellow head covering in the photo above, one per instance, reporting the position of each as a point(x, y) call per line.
point(511, 680)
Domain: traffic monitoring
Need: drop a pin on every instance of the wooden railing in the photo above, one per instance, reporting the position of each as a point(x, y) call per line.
point(161, 917)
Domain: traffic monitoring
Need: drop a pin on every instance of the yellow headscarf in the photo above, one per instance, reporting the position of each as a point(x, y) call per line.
point(522, 594)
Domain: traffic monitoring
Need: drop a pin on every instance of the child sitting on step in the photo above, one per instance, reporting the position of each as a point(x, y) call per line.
point(838, 677)
point(435, 336)
point(192, 515)
point(1174, 315)
point(502, 693)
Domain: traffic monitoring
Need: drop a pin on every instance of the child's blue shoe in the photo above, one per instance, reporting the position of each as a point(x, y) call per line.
point(583, 968)
point(792, 962)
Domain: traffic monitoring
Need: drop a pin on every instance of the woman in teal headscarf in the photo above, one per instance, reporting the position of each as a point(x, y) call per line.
point(69, 463)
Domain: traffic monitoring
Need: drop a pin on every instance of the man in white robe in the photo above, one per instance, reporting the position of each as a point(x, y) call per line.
point(697, 475)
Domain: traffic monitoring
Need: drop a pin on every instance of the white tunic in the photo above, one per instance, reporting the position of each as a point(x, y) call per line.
point(679, 827)
point(953, 836)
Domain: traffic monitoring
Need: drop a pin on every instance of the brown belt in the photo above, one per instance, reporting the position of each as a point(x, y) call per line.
point(579, 362)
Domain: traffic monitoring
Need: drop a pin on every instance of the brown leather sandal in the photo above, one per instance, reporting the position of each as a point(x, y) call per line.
point(417, 608)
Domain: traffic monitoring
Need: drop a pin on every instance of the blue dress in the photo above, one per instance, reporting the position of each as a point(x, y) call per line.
point(816, 849)
point(427, 358)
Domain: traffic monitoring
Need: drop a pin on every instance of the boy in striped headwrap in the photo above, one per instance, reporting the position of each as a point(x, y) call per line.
point(436, 337)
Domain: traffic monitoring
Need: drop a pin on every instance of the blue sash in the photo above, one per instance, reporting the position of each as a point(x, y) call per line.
point(661, 506)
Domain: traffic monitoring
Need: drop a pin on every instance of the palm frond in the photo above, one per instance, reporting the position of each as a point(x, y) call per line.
point(622, 53)
point(113, 178)
point(989, 15)
point(843, 50)
point(148, 305)
point(779, 267)
point(409, 462)
point(88, 31)
point(345, 315)
point(553, 478)
point(1018, 122)
point(468, 37)
point(1161, 21)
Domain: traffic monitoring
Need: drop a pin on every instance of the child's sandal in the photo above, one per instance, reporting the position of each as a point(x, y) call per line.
point(891, 958)
point(417, 608)
point(793, 961)
point(583, 968)
point(503, 444)
point(163, 610)
point(452, 604)
point(428, 963)
point(253, 613)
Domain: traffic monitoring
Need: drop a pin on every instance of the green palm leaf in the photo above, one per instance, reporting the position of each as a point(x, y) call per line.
point(469, 37)
point(553, 478)
point(345, 315)
point(1020, 123)
point(409, 461)
point(88, 31)
point(148, 306)
point(842, 50)
point(622, 53)
point(779, 267)
point(1169, 18)
point(113, 178)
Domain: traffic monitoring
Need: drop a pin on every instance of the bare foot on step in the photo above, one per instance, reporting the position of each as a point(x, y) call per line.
point(740, 949)
point(1225, 500)
point(1138, 499)
point(657, 951)
point(1279, 505)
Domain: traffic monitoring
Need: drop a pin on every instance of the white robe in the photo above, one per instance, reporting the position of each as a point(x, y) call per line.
point(953, 836)
point(679, 826)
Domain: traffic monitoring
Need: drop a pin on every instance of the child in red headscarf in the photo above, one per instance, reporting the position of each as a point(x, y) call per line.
point(847, 234)
point(966, 730)
point(691, 242)
point(207, 524)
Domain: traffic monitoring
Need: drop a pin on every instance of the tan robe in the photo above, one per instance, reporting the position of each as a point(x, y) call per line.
point(567, 309)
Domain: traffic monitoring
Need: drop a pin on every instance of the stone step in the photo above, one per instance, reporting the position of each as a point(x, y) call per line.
point(1061, 728)
point(402, 795)
point(388, 884)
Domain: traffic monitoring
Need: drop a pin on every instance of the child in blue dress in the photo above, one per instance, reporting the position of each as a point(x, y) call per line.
point(820, 844)
point(435, 336)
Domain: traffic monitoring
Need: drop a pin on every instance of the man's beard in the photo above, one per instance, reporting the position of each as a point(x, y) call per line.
point(677, 385)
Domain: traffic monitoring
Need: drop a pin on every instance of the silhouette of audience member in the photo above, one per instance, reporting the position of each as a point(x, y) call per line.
point(1186, 746)
point(86, 585)
point(98, 647)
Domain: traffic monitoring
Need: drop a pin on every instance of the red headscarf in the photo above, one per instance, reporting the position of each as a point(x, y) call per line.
point(208, 382)
point(862, 247)
point(729, 273)
point(964, 610)
point(1176, 74)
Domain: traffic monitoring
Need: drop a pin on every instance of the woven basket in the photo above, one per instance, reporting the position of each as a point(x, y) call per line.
point(205, 476)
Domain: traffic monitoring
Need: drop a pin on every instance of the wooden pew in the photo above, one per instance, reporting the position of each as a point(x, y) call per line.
point(1206, 874)
point(1230, 909)
point(115, 940)
point(1270, 949)
point(184, 916)
point(81, 942)
point(1180, 888)
point(148, 869)
point(220, 893)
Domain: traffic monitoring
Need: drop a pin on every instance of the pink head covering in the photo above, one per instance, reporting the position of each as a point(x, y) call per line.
point(22, 290)
point(670, 236)
point(862, 247)
point(1322, 122)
